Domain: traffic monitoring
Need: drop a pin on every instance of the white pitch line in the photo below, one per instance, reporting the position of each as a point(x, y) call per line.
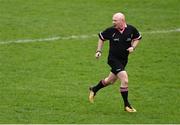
point(161, 31)
point(47, 39)
point(76, 37)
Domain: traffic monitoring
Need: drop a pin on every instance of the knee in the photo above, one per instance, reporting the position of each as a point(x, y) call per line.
point(109, 81)
point(126, 81)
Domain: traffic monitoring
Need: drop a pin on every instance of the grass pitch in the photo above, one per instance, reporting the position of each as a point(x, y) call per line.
point(47, 82)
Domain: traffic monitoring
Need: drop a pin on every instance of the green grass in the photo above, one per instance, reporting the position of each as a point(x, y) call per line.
point(47, 82)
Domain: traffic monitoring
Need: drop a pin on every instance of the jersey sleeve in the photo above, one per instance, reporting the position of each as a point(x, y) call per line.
point(136, 34)
point(105, 35)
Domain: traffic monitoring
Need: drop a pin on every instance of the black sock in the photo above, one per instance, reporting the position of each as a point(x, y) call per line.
point(98, 86)
point(124, 93)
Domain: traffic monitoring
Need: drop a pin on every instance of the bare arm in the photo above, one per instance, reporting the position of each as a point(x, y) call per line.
point(100, 45)
point(99, 48)
point(134, 44)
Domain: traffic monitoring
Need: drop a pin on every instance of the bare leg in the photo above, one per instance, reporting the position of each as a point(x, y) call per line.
point(107, 81)
point(123, 77)
point(110, 79)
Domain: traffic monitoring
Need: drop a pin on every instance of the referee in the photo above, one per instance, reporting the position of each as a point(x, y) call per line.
point(123, 39)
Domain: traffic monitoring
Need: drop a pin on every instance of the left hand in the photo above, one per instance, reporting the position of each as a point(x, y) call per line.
point(130, 49)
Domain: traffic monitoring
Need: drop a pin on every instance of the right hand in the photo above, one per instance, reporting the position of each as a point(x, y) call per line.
point(98, 54)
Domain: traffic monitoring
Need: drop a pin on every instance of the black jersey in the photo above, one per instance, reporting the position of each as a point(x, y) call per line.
point(119, 42)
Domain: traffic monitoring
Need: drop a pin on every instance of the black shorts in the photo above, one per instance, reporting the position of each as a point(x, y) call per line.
point(117, 65)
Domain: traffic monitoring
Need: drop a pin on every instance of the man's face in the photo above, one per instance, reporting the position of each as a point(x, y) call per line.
point(117, 22)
